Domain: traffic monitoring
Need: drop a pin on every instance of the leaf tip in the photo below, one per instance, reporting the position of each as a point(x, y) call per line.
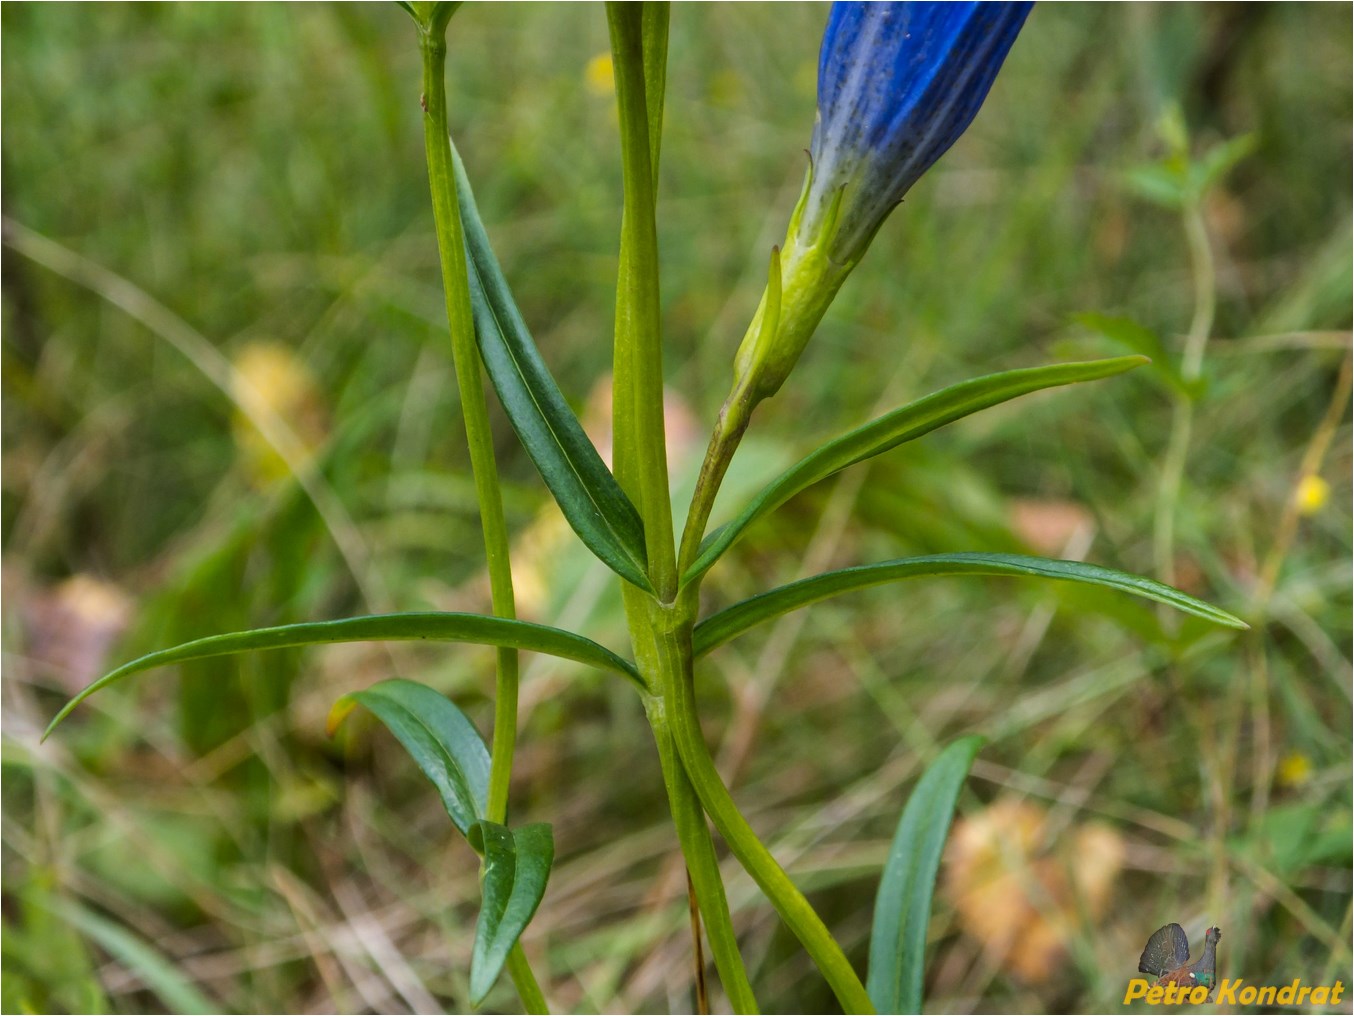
point(59, 717)
point(338, 712)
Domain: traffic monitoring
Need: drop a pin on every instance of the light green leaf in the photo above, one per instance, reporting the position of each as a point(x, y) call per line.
point(1139, 339)
point(730, 623)
point(438, 737)
point(516, 867)
point(166, 981)
point(1219, 160)
point(588, 495)
point(431, 627)
point(903, 907)
point(912, 421)
point(1164, 185)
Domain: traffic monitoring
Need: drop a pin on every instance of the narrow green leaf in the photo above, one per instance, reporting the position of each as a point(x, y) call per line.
point(889, 431)
point(156, 971)
point(730, 623)
point(431, 627)
point(588, 495)
point(516, 867)
point(903, 907)
point(440, 740)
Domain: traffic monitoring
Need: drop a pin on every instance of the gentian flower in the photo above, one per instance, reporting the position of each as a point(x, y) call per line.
point(898, 83)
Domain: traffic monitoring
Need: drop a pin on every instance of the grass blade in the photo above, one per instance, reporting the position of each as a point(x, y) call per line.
point(905, 424)
point(437, 736)
point(516, 867)
point(430, 627)
point(588, 495)
point(903, 907)
point(734, 621)
point(156, 971)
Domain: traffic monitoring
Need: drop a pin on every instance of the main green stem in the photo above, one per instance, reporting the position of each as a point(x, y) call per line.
point(639, 41)
point(661, 627)
point(456, 286)
point(672, 635)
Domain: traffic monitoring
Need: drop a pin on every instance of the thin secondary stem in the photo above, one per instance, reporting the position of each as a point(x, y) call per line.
point(1191, 369)
point(732, 424)
point(479, 436)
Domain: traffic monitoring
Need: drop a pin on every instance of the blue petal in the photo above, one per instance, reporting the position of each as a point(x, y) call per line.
point(898, 83)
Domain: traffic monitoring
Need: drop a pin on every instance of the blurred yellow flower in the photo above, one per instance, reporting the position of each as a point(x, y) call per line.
point(286, 386)
point(1294, 770)
point(1312, 494)
point(598, 75)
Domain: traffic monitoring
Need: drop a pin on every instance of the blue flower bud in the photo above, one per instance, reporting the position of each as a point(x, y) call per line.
point(897, 84)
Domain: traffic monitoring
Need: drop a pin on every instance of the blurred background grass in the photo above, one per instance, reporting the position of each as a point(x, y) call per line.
point(187, 187)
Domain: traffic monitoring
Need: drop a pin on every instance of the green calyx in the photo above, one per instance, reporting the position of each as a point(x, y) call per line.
point(801, 285)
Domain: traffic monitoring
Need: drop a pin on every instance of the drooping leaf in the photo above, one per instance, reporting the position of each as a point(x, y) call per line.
point(438, 737)
point(903, 907)
point(733, 621)
point(516, 867)
point(889, 431)
point(588, 495)
point(431, 627)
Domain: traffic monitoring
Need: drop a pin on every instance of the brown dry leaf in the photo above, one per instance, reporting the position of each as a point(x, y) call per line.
point(1050, 526)
point(1020, 899)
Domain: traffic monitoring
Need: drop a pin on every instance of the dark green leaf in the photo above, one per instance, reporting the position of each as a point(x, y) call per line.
point(438, 737)
point(516, 866)
point(587, 493)
point(912, 421)
point(431, 627)
point(730, 623)
point(903, 907)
